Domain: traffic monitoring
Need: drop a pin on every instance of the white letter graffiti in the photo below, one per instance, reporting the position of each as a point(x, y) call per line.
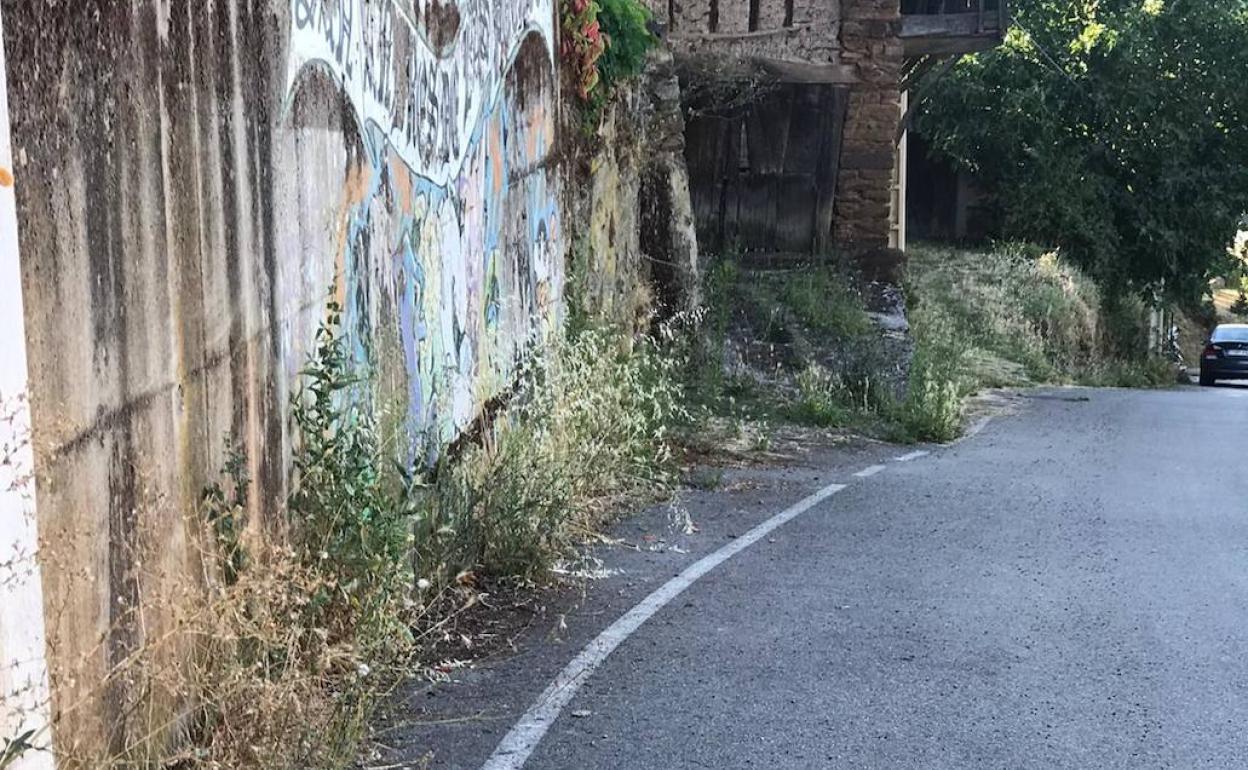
point(430, 121)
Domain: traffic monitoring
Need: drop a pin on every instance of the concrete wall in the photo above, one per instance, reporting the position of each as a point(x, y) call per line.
point(24, 708)
point(192, 177)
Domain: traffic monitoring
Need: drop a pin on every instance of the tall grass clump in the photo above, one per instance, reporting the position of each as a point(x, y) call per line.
point(821, 399)
point(932, 409)
point(312, 615)
point(1015, 303)
point(706, 345)
point(795, 344)
point(824, 299)
point(588, 426)
point(274, 655)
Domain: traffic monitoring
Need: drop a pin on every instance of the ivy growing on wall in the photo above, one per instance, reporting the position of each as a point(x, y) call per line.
point(604, 44)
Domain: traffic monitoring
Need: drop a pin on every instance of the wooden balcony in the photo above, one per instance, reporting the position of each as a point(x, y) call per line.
point(941, 27)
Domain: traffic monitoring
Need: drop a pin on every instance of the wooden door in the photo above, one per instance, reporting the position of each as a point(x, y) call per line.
point(764, 179)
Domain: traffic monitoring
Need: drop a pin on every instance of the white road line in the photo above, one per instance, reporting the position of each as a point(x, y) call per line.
point(868, 472)
point(514, 750)
point(912, 456)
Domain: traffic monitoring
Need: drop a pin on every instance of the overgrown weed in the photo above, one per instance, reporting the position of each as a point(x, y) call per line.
point(825, 301)
point(1022, 305)
point(589, 426)
point(304, 620)
point(793, 345)
point(932, 410)
point(800, 345)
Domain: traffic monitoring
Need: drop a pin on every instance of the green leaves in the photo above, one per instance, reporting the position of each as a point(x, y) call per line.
point(1114, 129)
point(14, 748)
point(604, 44)
point(625, 22)
point(350, 517)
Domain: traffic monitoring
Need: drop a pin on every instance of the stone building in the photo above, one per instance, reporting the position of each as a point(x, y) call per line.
point(795, 138)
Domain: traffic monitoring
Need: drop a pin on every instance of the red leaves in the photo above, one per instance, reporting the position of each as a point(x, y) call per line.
point(583, 44)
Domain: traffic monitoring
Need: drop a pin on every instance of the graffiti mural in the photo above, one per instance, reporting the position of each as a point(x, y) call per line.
point(448, 237)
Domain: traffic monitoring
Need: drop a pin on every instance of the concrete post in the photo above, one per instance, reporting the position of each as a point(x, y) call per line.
point(25, 737)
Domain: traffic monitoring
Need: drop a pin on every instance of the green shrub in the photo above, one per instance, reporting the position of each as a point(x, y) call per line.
point(605, 43)
point(1125, 329)
point(626, 23)
point(1015, 302)
point(821, 399)
point(707, 383)
point(826, 302)
point(1023, 305)
point(814, 355)
point(307, 614)
point(309, 622)
point(351, 515)
point(1147, 372)
point(225, 508)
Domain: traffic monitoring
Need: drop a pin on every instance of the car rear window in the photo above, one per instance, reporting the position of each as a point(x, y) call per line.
point(1230, 334)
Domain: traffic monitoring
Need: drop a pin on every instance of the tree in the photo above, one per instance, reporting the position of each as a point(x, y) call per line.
point(1115, 129)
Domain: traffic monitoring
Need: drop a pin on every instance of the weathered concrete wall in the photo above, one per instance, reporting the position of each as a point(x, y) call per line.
point(192, 177)
point(24, 707)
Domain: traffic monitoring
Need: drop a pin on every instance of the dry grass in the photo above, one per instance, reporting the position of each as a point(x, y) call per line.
point(1023, 315)
point(275, 655)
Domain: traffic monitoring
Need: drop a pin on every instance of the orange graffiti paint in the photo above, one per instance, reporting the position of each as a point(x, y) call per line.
point(495, 156)
point(354, 190)
point(402, 179)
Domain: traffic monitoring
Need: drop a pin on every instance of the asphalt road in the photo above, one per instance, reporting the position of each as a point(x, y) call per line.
point(1066, 589)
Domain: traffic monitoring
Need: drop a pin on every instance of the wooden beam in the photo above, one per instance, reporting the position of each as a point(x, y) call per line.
point(727, 67)
point(827, 173)
point(913, 103)
point(944, 25)
point(716, 36)
point(804, 72)
point(948, 46)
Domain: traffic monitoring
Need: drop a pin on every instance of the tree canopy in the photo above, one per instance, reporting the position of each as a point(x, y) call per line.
point(1115, 129)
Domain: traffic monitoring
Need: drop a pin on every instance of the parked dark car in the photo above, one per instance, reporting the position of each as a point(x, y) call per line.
point(1226, 355)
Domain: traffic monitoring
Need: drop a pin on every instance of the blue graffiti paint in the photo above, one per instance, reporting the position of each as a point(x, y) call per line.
point(438, 373)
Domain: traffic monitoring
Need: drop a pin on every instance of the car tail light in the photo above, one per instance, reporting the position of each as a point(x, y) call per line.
point(1211, 351)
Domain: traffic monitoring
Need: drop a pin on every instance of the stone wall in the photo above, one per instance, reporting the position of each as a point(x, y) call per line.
point(636, 251)
point(191, 179)
point(793, 30)
point(869, 153)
